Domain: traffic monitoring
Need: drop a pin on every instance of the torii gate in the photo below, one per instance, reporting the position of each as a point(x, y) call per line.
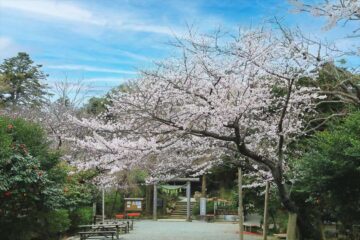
point(188, 196)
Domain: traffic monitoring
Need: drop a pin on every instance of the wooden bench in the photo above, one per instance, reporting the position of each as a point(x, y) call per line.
point(85, 235)
point(123, 224)
point(249, 226)
point(119, 216)
point(115, 227)
point(122, 218)
point(130, 224)
point(280, 235)
point(125, 228)
point(133, 215)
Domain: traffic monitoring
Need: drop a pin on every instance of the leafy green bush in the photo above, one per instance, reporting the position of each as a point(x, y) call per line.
point(209, 208)
point(36, 191)
point(58, 221)
point(327, 174)
point(114, 203)
point(196, 209)
point(81, 216)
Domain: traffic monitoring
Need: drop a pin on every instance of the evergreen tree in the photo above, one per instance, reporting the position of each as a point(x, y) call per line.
point(23, 80)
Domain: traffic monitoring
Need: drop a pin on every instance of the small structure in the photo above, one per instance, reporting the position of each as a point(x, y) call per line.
point(133, 207)
point(188, 196)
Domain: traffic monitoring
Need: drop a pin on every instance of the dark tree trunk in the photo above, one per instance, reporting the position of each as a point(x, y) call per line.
point(306, 229)
point(274, 221)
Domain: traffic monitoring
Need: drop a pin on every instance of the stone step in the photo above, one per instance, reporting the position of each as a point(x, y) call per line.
point(184, 207)
point(180, 213)
point(178, 217)
point(184, 203)
point(180, 210)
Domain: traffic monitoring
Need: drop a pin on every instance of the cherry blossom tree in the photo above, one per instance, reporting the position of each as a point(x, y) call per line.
point(347, 88)
point(236, 95)
point(53, 114)
point(334, 10)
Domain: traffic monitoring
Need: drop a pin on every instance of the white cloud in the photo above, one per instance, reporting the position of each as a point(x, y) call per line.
point(142, 27)
point(56, 9)
point(90, 69)
point(66, 11)
point(104, 80)
point(135, 56)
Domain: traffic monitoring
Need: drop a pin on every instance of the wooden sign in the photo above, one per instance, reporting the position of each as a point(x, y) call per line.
point(133, 204)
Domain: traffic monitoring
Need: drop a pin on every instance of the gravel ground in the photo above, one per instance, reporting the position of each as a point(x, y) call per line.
point(176, 230)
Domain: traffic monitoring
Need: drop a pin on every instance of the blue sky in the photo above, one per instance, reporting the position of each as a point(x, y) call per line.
point(104, 42)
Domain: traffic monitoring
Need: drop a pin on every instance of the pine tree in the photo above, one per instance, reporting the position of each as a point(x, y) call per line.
point(23, 80)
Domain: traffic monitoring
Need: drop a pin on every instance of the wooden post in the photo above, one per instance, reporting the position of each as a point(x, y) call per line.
point(94, 213)
point(94, 209)
point(203, 198)
point(266, 211)
point(188, 205)
point(155, 203)
point(291, 227)
point(103, 204)
point(148, 199)
point(241, 210)
point(203, 186)
point(215, 205)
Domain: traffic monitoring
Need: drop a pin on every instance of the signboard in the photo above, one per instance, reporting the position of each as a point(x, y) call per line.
point(202, 206)
point(133, 205)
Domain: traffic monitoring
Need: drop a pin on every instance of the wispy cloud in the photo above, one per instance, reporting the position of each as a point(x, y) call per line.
point(142, 27)
point(136, 56)
point(70, 12)
point(56, 9)
point(91, 69)
point(104, 80)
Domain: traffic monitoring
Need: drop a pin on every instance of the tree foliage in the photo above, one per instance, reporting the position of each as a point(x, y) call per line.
point(35, 186)
point(327, 174)
point(23, 80)
point(96, 105)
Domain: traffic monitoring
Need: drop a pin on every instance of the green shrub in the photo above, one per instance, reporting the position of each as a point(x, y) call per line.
point(209, 208)
point(114, 203)
point(36, 191)
point(196, 208)
point(58, 221)
point(81, 216)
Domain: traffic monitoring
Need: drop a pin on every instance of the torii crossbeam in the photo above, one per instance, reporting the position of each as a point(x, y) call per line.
point(188, 196)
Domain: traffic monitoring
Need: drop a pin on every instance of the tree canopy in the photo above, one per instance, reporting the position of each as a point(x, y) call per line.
point(328, 171)
point(23, 81)
point(35, 185)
